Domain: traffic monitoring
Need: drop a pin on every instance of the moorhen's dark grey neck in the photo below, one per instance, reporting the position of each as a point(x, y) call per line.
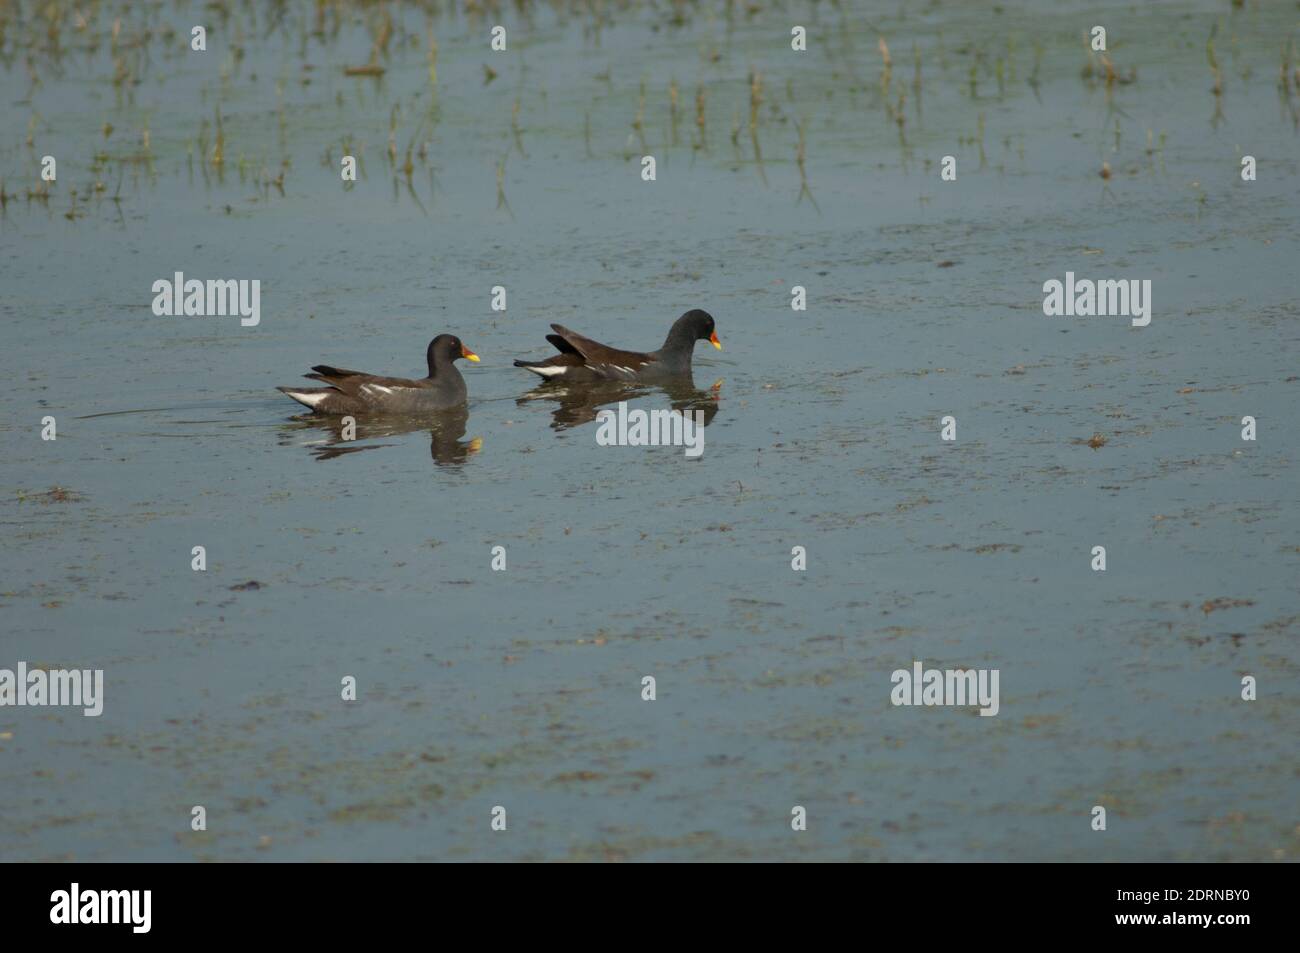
point(444, 370)
point(678, 347)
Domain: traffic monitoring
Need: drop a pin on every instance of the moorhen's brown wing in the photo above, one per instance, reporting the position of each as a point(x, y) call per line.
point(604, 360)
point(356, 383)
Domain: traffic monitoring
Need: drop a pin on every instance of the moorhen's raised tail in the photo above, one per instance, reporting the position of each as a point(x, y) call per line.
point(582, 359)
point(353, 392)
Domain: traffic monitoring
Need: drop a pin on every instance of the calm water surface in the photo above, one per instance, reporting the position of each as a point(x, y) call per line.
point(522, 688)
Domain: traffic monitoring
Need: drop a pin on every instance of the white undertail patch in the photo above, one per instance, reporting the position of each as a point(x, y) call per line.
point(544, 371)
point(308, 398)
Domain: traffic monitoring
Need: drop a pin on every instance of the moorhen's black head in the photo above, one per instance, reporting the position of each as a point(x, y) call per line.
point(447, 348)
point(696, 325)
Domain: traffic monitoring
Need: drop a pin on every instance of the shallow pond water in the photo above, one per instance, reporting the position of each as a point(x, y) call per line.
point(523, 688)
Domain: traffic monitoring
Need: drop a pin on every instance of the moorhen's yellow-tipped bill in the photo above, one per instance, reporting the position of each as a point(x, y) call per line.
point(582, 359)
point(468, 354)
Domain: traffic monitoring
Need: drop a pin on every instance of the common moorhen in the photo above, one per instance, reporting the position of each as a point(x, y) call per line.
point(353, 392)
point(582, 359)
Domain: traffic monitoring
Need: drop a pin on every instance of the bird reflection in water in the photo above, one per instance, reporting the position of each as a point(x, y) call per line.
point(446, 430)
point(578, 404)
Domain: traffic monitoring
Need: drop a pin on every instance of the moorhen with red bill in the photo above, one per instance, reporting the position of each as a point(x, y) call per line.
point(354, 392)
point(582, 359)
